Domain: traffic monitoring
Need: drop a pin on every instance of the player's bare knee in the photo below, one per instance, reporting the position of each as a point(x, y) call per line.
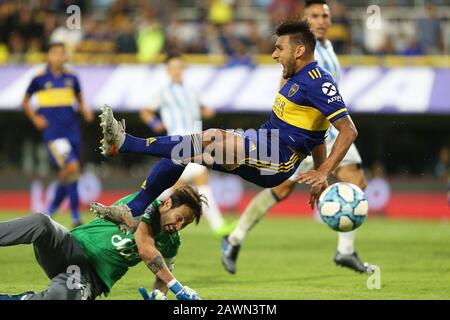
point(283, 190)
point(70, 173)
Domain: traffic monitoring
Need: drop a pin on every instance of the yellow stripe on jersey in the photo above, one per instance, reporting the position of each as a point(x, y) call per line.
point(336, 113)
point(303, 117)
point(266, 164)
point(315, 73)
point(320, 75)
point(55, 97)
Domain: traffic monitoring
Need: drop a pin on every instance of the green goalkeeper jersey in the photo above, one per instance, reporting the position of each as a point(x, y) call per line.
point(111, 253)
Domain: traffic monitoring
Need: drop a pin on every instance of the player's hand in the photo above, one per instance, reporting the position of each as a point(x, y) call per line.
point(154, 295)
point(315, 194)
point(88, 116)
point(187, 294)
point(159, 128)
point(40, 122)
point(313, 177)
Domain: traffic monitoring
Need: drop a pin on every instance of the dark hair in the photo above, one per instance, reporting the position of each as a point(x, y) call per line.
point(190, 197)
point(299, 32)
point(56, 44)
point(311, 2)
point(172, 55)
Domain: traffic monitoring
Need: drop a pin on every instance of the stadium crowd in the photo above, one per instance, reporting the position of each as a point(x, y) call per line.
point(237, 29)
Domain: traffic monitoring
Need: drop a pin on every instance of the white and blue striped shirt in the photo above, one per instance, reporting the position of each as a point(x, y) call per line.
point(179, 106)
point(327, 59)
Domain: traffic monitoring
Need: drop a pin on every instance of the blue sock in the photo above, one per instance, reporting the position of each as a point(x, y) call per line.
point(163, 175)
point(173, 147)
point(60, 194)
point(72, 191)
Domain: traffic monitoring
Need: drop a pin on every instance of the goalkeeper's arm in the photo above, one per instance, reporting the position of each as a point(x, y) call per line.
point(155, 262)
point(159, 284)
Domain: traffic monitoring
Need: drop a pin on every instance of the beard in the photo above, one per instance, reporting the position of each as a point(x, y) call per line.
point(289, 69)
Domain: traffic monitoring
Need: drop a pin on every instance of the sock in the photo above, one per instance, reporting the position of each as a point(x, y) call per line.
point(72, 191)
point(163, 175)
point(257, 208)
point(211, 211)
point(60, 194)
point(172, 147)
point(346, 242)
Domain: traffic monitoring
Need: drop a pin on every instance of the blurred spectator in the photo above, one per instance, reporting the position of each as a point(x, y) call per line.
point(339, 32)
point(442, 167)
point(126, 38)
point(281, 10)
point(70, 37)
point(203, 27)
point(429, 31)
point(150, 37)
point(377, 40)
point(221, 11)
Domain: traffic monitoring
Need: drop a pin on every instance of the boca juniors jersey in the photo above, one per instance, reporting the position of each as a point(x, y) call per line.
point(55, 96)
point(304, 108)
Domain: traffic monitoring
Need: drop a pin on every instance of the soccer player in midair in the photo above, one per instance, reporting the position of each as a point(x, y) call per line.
point(303, 110)
point(87, 261)
point(56, 89)
point(349, 170)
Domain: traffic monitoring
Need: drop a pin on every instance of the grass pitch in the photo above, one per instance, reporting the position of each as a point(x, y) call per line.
point(283, 258)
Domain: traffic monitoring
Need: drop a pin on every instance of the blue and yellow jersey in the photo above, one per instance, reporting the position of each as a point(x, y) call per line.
point(55, 96)
point(304, 108)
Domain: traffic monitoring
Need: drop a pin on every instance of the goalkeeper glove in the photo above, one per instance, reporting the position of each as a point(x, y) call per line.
point(154, 295)
point(182, 292)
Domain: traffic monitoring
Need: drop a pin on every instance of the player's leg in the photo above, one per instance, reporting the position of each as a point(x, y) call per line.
point(70, 174)
point(255, 211)
point(65, 286)
point(47, 237)
point(350, 171)
point(163, 175)
point(64, 154)
point(210, 146)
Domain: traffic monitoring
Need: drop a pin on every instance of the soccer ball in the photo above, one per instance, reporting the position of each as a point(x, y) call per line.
point(343, 206)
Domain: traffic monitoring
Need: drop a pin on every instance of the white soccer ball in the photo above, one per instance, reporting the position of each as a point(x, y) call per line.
point(343, 206)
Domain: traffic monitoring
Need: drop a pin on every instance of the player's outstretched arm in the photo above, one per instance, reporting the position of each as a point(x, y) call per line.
point(155, 262)
point(347, 135)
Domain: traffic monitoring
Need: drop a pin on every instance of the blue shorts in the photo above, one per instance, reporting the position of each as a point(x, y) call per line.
point(62, 151)
point(268, 161)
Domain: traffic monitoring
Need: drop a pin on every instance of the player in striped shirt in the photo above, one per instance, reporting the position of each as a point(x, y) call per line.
point(181, 114)
point(349, 170)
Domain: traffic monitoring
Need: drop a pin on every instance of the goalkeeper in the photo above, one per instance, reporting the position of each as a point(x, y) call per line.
point(87, 261)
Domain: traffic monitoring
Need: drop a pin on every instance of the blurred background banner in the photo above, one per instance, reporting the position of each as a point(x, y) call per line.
point(366, 89)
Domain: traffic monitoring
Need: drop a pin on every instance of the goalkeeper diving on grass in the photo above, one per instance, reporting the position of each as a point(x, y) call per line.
point(87, 261)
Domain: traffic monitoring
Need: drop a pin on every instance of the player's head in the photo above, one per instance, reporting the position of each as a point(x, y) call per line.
point(295, 43)
point(183, 207)
point(56, 55)
point(317, 13)
point(175, 67)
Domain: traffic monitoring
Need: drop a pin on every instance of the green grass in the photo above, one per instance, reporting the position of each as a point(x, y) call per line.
point(283, 259)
